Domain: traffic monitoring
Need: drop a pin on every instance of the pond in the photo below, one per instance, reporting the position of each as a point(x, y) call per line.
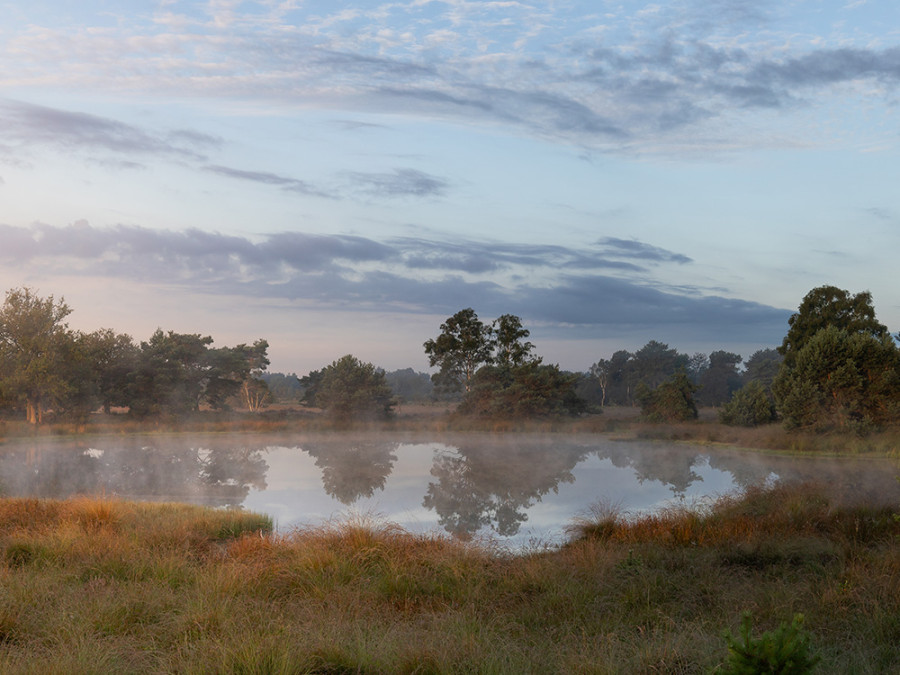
point(520, 489)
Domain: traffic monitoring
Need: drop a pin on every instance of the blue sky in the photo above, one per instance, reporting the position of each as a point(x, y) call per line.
point(341, 177)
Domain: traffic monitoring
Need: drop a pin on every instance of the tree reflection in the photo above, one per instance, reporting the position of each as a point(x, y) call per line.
point(354, 470)
point(492, 485)
point(674, 467)
point(216, 474)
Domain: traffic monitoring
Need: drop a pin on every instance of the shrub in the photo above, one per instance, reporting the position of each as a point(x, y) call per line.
point(672, 401)
point(749, 406)
point(785, 651)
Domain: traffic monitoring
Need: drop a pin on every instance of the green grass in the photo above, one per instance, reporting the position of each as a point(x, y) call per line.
point(98, 586)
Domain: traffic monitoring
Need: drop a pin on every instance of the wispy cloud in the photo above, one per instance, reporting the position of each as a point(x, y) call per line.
point(655, 75)
point(26, 124)
point(398, 183)
point(266, 178)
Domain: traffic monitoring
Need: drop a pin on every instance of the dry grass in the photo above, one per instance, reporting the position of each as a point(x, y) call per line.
point(90, 586)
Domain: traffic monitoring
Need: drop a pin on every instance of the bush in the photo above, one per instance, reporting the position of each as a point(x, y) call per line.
point(785, 651)
point(672, 401)
point(528, 390)
point(749, 406)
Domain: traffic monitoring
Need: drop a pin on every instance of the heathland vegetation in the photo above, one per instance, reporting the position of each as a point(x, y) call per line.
point(778, 580)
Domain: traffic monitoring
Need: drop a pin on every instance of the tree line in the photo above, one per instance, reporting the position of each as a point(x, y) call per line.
point(44, 365)
point(837, 367)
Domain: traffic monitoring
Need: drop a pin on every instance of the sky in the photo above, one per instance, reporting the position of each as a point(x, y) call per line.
point(342, 177)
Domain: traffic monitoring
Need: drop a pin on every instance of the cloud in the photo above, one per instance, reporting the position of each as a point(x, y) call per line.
point(550, 284)
point(284, 182)
point(30, 124)
point(653, 77)
point(398, 183)
point(631, 248)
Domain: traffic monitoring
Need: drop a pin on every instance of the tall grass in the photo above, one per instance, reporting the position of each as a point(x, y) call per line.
point(90, 586)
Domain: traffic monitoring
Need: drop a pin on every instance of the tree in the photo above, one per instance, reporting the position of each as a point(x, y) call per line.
point(840, 379)
point(720, 379)
point(826, 306)
point(655, 362)
point(762, 366)
point(507, 341)
point(34, 342)
point(601, 373)
point(113, 357)
point(622, 378)
point(409, 385)
point(177, 372)
point(671, 401)
point(234, 372)
point(171, 374)
point(350, 389)
point(462, 347)
point(309, 387)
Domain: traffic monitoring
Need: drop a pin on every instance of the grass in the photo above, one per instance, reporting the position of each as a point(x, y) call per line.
point(101, 585)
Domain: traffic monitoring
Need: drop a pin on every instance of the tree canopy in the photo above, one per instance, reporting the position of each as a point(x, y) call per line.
point(34, 343)
point(462, 347)
point(352, 390)
point(826, 306)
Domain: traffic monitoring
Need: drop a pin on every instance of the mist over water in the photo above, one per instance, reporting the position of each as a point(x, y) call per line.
point(517, 488)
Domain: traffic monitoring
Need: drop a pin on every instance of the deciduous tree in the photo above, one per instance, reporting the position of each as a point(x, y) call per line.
point(34, 342)
point(462, 347)
point(508, 340)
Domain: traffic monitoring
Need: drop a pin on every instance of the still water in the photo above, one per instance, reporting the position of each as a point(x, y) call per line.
point(520, 489)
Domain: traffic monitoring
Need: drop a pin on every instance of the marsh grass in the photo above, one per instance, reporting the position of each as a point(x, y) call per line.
point(91, 586)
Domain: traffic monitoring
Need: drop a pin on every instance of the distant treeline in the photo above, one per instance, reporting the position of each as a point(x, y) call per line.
point(837, 367)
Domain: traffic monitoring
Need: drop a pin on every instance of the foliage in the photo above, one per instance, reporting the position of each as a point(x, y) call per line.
point(763, 366)
point(34, 344)
point(784, 651)
point(282, 386)
point(527, 390)
point(462, 347)
point(671, 401)
point(619, 377)
point(177, 372)
point(350, 389)
point(719, 379)
point(507, 341)
point(749, 406)
point(112, 357)
point(409, 385)
point(840, 379)
point(826, 306)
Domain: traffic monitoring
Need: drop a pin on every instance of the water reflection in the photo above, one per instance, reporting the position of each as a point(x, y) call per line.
point(512, 485)
point(676, 470)
point(351, 471)
point(493, 485)
point(216, 474)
